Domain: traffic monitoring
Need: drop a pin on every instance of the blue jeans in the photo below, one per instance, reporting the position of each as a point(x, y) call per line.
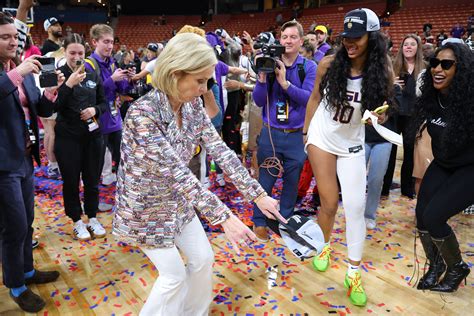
point(289, 149)
point(378, 155)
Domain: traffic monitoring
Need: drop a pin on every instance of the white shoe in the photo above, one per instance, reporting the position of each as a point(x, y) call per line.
point(220, 179)
point(96, 228)
point(105, 207)
point(109, 179)
point(206, 184)
point(80, 231)
point(370, 223)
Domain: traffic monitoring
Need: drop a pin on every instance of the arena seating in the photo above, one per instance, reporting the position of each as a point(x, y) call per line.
point(137, 31)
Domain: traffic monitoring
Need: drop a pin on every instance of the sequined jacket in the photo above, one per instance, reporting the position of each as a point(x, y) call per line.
point(157, 194)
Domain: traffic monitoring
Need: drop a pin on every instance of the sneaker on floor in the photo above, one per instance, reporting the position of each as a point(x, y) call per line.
point(80, 231)
point(261, 233)
point(109, 179)
point(321, 261)
point(53, 173)
point(96, 228)
point(105, 207)
point(220, 179)
point(355, 291)
point(34, 244)
point(370, 223)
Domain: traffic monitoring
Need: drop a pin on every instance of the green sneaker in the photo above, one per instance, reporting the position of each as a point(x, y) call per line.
point(356, 292)
point(321, 261)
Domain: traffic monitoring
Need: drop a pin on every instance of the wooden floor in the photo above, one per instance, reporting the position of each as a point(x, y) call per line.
point(102, 277)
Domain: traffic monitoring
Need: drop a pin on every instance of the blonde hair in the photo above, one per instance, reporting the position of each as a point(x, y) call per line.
point(400, 64)
point(98, 30)
point(192, 29)
point(188, 53)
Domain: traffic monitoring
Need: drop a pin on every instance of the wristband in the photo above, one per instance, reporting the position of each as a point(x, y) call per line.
point(261, 196)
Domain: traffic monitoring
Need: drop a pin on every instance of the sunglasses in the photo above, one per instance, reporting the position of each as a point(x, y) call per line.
point(446, 64)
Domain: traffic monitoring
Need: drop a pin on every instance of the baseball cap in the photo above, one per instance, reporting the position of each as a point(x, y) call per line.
point(51, 21)
point(360, 21)
point(153, 47)
point(321, 28)
point(221, 33)
point(266, 38)
point(303, 236)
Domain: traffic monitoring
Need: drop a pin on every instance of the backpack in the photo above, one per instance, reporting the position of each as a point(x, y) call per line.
point(95, 65)
point(302, 71)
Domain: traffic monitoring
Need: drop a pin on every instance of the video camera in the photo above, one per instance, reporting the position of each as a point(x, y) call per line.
point(267, 63)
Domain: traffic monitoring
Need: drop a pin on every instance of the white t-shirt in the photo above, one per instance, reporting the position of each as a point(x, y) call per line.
point(150, 67)
point(340, 131)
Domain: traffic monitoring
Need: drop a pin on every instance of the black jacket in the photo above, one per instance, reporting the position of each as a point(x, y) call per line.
point(13, 131)
point(90, 93)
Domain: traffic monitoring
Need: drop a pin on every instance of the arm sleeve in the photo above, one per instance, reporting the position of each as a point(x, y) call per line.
point(153, 149)
point(22, 29)
point(301, 95)
point(259, 94)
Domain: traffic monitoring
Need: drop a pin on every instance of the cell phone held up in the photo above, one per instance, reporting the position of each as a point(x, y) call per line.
point(404, 77)
point(48, 76)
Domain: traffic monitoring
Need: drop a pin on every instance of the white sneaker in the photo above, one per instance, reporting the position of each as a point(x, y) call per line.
point(206, 184)
point(370, 223)
point(220, 179)
point(105, 207)
point(109, 179)
point(96, 228)
point(80, 231)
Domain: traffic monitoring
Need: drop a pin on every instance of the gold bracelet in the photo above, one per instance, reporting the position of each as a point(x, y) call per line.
point(261, 196)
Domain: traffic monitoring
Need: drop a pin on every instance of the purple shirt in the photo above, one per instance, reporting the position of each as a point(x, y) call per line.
point(297, 94)
point(221, 70)
point(458, 31)
point(321, 52)
point(109, 123)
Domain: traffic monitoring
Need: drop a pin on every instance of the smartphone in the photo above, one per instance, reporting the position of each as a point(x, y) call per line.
point(80, 65)
point(403, 76)
point(382, 109)
point(48, 77)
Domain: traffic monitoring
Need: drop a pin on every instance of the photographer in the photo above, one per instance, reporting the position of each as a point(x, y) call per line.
point(283, 96)
point(79, 145)
point(21, 104)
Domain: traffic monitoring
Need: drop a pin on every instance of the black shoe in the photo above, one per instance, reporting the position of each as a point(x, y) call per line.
point(41, 277)
point(457, 269)
point(435, 262)
point(29, 301)
point(453, 278)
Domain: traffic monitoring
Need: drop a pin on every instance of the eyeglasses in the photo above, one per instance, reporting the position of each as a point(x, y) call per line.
point(446, 64)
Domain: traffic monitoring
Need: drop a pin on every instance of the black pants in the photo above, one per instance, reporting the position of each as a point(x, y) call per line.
point(407, 183)
point(232, 120)
point(443, 194)
point(113, 141)
point(76, 158)
point(16, 217)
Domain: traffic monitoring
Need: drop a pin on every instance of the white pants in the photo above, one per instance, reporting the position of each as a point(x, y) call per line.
point(182, 289)
point(352, 177)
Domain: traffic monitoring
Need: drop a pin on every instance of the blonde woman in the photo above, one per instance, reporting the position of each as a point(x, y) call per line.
point(157, 195)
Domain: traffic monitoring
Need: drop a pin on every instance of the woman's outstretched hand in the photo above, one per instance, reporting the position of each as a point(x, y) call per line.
point(238, 233)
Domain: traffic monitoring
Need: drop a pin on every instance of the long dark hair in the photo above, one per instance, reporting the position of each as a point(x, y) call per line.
point(458, 101)
point(377, 82)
